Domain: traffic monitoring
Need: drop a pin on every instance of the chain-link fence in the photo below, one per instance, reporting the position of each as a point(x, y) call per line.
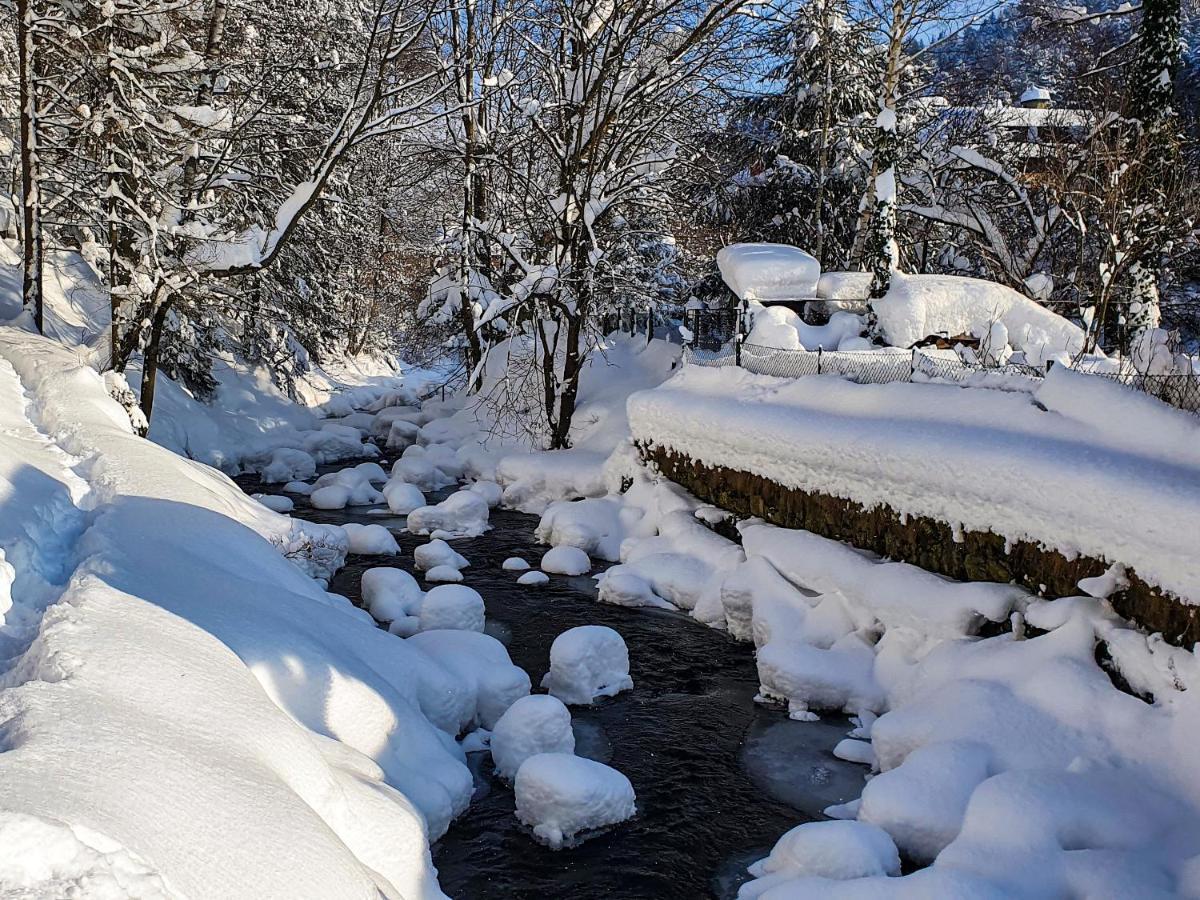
point(882, 366)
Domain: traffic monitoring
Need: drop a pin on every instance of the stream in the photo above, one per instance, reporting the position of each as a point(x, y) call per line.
point(718, 777)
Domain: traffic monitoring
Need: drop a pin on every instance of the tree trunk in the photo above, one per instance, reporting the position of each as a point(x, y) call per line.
point(150, 359)
point(560, 438)
point(31, 228)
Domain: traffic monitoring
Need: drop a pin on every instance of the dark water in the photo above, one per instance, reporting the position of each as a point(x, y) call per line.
point(718, 777)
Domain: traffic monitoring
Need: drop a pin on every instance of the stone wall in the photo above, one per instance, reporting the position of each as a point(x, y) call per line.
point(924, 542)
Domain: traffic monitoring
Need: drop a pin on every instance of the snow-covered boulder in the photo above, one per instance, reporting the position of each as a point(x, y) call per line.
point(587, 663)
point(533, 579)
point(482, 662)
point(401, 434)
point(331, 496)
point(621, 586)
point(372, 472)
point(356, 481)
point(462, 514)
point(833, 850)
point(370, 540)
point(514, 564)
point(298, 487)
point(287, 464)
point(452, 606)
point(421, 473)
point(402, 497)
point(390, 593)
point(562, 797)
point(443, 575)
point(438, 553)
point(768, 271)
point(275, 502)
point(535, 724)
point(566, 560)
point(489, 491)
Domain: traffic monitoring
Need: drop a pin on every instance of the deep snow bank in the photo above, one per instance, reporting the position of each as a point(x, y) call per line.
point(184, 710)
point(977, 459)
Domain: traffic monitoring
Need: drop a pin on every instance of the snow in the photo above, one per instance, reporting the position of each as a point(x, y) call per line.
point(287, 464)
point(587, 663)
point(161, 651)
point(332, 496)
point(768, 271)
point(275, 502)
point(438, 553)
point(1033, 93)
point(357, 484)
point(452, 606)
point(514, 564)
point(481, 662)
point(563, 797)
point(370, 540)
point(917, 306)
point(620, 586)
point(980, 460)
point(402, 498)
point(566, 560)
point(779, 328)
point(833, 850)
point(298, 487)
point(462, 514)
point(390, 593)
point(533, 579)
point(443, 574)
point(535, 724)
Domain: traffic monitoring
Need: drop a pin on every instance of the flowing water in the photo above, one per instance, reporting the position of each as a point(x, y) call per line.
point(718, 777)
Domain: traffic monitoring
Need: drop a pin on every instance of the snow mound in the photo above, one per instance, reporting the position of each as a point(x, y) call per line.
point(332, 496)
point(533, 579)
point(778, 328)
point(566, 561)
point(298, 487)
point(275, 502)
point(402, 434)
point(452, 606)
point(834, 850)
point(490, 491)
point(621, 586)
point(918, 306)
point(438, 553)
point(402, 498)
point(483, 664)
point(357, 482)
point(768, 271)
point(288, 464)
point(462, 514)
point(587, 663)
point(390, 593)
point(535, 724)
point(514, 564)
point(370, 540)
point(563, 796)
point(443, 574)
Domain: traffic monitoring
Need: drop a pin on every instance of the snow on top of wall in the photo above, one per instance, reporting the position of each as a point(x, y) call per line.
point(982, 460)
point(768, 271)
point(918, 306)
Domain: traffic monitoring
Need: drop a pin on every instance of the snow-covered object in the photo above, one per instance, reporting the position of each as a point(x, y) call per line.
point(937, 450)
point(565, 560)
point(402, 498)
point(833, 850)
point(370, 540)
point(452, 606)
point(8, 575)
point(489, 491)
point(390, 593)
point(421, 473)
point(438, 553)
point(807, 677)
point(462, 514)
point(768, 271)
point(331, 496)
point(164, 573)
point(918, 306)
point(621, 586)
point(562, 797)
point(402, 434)
point(480, 661)
point(357, 481)
point(298, 487)
point(287, 464)
point(533, 579)
point(443, 574)
point(586, 663)
point(275, 502)
point(535, 724)
point(514, 564)
point(372, 472)
point(779, 328)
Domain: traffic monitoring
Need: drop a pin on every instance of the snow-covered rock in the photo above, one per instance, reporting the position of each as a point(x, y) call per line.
point(421, 473)
point(535, 724)
point(833, 850)
point(331, 496)
point(275, 502)
point(620, 586)
point(288, 464)
point(586, 663)
point(563, 796)
point(390, 593)
point(438, 553)
point(298, 487)
point(566, 561)
point(489, 491)
point(462, 514)
point(371, 540)
point(401, 434)
point(533, 579)
point(481, 662)
point(514, 564)
point(402, 498)
point(443, 574)
point(452, 606)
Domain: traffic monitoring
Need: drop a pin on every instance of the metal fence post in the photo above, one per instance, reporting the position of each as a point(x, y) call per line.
point(912, 364)
point(819, 350)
